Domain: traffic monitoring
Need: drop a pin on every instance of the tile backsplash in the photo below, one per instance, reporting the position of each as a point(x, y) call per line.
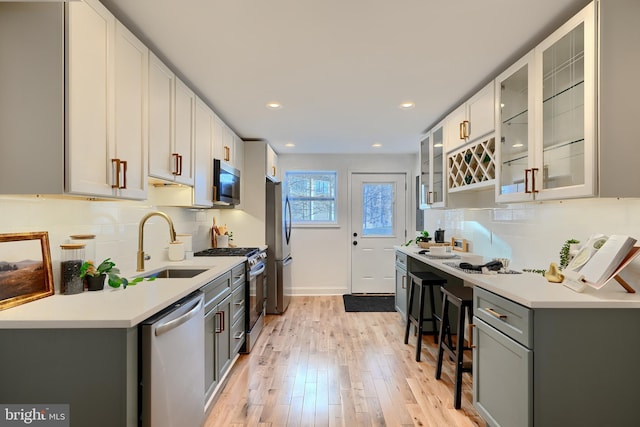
point(115, 224)
point(531, 234)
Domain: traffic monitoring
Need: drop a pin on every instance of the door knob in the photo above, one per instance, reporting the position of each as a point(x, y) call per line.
point(355, 243)
point(355, 234)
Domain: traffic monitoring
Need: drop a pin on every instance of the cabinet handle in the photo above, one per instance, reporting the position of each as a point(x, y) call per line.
point(124, 174)
point(470, 333)
point(227, 153)
point(221, 322)
point(239, 335)
point(180, 165)
point(466, 126)
point(461, 126)
point(404, 282)
point(176, 157)
point(533, 180)
point(273, 171)
point(494, 313)
point(117, 174)
point(239, 303)
point(526, 181)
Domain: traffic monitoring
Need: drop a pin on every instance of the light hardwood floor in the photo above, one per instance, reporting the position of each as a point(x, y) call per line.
point(319, 366)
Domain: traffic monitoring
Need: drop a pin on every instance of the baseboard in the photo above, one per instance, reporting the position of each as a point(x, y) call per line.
point(313, 291)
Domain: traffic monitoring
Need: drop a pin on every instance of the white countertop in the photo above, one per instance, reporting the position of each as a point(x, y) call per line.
point(533, 290)
point(115, 308)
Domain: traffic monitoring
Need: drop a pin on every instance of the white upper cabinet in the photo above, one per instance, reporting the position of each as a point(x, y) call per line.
point(272, 164)
point(184, 113)
point(432, 167)
point(227, 145)
point(472, 120)
point(203, 164)
point(161, 82)
point(545, 117)
point(515, 130)
point(91, 131)
point(107, 92)
point(171, 122)
point(131, 124)
point(90, 87)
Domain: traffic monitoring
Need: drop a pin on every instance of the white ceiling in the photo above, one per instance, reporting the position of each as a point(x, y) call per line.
point(340, 68)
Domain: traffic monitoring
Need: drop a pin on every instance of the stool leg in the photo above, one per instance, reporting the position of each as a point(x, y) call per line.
point(420, 322)
point(459, 358)
point(434, 321)
point(444, 324)
point(406, 332)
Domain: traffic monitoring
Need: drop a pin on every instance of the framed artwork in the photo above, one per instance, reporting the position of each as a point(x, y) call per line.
point(25, 268)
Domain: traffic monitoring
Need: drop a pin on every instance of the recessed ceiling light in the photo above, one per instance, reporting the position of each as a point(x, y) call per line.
point(407, 105)
point(274, 105)
point(518, 145)
point(376, 145)
point(289, 144)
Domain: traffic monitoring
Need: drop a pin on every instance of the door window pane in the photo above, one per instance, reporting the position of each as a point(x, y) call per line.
point(377, 209)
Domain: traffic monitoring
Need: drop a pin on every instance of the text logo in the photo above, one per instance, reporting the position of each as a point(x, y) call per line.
point(34, 415)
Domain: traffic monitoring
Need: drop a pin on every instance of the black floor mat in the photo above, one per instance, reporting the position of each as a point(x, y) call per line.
point(370, 303)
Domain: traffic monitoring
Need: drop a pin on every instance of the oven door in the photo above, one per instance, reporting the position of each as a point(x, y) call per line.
point(256, 306)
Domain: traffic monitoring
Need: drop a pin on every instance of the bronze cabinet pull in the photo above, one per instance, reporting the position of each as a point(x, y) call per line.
point(117, 173)
point(494, 313)
point(124, 174)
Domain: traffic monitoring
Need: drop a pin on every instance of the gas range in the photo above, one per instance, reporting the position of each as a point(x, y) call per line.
point(255, 257)
point(248, 252)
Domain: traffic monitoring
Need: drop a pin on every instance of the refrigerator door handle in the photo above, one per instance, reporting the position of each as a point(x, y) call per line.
point(287, 220)
point(287, 261)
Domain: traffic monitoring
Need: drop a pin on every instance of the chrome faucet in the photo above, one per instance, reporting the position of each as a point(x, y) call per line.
point(172, 235)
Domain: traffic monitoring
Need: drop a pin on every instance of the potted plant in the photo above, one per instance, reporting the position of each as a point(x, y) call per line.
point(95, 275)
point(423, 237)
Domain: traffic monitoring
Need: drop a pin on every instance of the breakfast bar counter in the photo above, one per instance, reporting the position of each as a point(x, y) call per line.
point(544, 355)
point(532, 290)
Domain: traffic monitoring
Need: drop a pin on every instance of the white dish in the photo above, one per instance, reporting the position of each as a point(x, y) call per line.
point(438, 250)
point(445, 256)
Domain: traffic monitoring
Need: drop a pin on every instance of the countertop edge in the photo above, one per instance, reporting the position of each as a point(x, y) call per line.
point(534, 291)
point(116, 308)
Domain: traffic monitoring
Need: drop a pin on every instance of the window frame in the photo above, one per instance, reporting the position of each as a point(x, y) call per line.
point(334, 199)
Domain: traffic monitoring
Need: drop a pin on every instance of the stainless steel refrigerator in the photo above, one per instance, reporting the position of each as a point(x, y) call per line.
point(278, 238)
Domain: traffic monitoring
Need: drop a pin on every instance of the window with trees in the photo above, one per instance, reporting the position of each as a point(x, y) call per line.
point(312, 195)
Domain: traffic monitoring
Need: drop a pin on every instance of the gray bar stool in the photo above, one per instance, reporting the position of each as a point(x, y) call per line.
point(423, 279)
point(462, 298)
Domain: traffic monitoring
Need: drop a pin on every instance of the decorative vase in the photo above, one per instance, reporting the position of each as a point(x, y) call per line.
point(95, 283)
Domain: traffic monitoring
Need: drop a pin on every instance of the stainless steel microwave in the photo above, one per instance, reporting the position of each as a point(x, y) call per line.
point(226, 183)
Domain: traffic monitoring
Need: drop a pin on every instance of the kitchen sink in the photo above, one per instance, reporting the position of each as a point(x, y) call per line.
point(176, 273)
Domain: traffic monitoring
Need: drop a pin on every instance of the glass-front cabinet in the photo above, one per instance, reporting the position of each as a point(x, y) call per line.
point(546, 117)
point(432, 169)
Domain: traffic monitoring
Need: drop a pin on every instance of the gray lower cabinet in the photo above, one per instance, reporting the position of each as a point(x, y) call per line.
point(224, 329)
point(94, 371)
point(554, 366)
point(401, 284)
point(501, 378)
point(216, 293)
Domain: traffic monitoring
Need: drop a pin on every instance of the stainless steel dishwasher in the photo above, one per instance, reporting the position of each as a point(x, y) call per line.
point(172, 365)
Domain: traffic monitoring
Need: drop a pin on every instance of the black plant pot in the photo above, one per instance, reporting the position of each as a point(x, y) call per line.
point(95, 283)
